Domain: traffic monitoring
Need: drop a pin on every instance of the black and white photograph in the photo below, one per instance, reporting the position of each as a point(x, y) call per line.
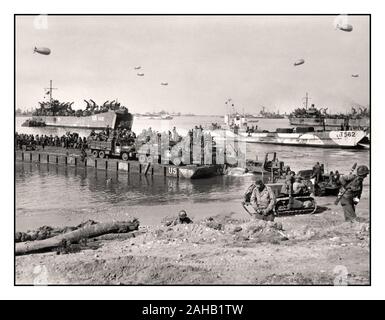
point(192, 149)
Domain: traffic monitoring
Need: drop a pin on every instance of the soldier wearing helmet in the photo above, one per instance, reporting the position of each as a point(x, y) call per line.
point(351, 188)
point(263, 200)
point(181, 219)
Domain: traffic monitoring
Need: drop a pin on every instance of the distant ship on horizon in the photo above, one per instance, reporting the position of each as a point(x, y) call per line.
point(155, 115)
point(318, 117)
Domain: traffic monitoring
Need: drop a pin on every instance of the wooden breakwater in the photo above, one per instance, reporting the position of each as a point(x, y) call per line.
point(117, 165)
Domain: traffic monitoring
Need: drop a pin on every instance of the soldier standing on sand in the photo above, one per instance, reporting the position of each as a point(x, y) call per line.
point(263, 200)
point(351, 190)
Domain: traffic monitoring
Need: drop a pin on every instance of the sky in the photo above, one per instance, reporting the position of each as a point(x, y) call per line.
point(204, 59)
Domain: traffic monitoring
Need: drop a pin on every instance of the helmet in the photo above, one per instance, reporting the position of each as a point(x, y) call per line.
point(259, 181)
point(362, 170)
point(182, 214)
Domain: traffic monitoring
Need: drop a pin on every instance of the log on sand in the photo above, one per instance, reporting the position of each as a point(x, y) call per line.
point(118, 236)
point(90, 231)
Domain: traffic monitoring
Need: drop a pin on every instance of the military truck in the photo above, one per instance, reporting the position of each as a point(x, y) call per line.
point(112, 148)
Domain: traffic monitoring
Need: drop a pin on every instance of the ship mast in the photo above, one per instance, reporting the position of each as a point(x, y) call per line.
point(50, 91)
point(306, 98)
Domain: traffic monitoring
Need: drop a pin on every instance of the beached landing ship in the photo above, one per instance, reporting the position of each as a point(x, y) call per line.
point(110, 118)
point(54, 113)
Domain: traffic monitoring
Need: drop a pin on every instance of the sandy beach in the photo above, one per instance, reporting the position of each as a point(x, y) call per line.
point(319, 249)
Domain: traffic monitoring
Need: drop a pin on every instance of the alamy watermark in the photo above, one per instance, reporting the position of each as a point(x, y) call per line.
point(341, 276)
point(40, 22)
point(198, 147)
point(40, 275)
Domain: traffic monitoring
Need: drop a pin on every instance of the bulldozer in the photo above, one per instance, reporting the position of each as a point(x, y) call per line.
point(293, 205)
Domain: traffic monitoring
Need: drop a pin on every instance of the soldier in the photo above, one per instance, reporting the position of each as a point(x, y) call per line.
point(249, 191)
point(83, 154)
point(337, 178)
point(351, 190)
point(331, 178)
point(317, 172)
point(181, 219)
point(263, 200)
point(299, 187)
point(288, 186)
point(175, 136)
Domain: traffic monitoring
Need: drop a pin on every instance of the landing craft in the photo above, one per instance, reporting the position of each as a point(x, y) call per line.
point(137, 68)
point(42, 50)
point(299, 62)
point(345, 27)
point(140, 74)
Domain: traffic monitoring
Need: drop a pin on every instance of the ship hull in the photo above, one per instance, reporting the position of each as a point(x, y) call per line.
point(325, 139)
point(199, 172)
point(97, 121)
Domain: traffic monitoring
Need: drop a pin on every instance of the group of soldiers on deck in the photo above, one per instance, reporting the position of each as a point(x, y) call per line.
point(122, 135)
point(68, 140)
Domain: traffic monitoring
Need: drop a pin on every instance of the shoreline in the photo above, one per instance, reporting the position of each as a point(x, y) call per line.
point(314, 250)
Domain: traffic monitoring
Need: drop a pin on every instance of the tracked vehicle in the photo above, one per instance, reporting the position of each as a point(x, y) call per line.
point(285, 205)
point(288, 206)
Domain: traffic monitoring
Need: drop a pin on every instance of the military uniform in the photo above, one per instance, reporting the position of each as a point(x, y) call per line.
point(317, 173)
point(298, 188)
point(353, 186)
point(287, 186)
point(249, 191)
point(263, 201)
point(180, 220)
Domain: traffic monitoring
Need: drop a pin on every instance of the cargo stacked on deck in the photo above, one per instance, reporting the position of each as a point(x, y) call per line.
point(304, 129)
